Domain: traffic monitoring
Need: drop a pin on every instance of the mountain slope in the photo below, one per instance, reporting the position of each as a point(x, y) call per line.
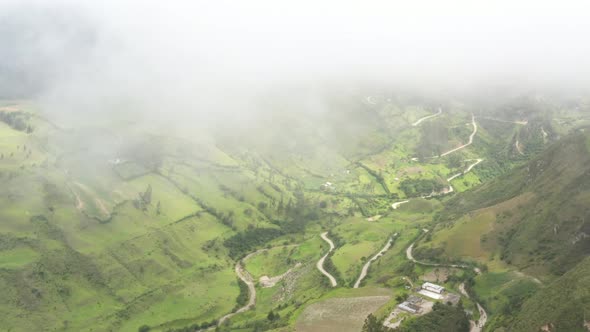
point(564, 305)
point(535, 217)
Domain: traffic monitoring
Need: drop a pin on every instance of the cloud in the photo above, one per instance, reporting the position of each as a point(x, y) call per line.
point(216, 56)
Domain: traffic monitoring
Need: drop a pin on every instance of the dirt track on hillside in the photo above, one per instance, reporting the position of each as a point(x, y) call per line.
point(469, 142)
point(365, 269)
point(427, 117)
point(247, 279)
point(320, 264)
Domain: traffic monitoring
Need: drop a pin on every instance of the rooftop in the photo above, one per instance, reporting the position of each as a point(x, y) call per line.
point(433, 287)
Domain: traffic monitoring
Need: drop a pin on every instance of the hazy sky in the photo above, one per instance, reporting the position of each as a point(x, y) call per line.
point(183, 53)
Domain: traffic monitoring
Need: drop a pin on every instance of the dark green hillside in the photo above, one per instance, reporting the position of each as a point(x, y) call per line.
point(537, 216)
point(564, 305)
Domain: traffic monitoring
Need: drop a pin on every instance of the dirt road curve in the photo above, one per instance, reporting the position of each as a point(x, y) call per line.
point(246, 278)
point(320, 264)
point(518, 148)
point(365, 269)
point(397, 204)
point(467, 170)
point(411, 257)
point(427, 117)
point(371, 100)
point(468, 142)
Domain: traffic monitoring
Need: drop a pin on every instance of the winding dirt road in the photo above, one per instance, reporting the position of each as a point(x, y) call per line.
point(411, 257)
point(468, 142)
point(475, 326)
point(371, 100)
point(467, 170)
point(518, 148)
point(397, 204)
point(365, 269)
point(427, 117)
point(320, 264)
point(522, 123)
point(451, 188)
point(247, 279)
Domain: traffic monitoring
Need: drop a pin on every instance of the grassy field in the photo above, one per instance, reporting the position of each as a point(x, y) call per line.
point(83, 246)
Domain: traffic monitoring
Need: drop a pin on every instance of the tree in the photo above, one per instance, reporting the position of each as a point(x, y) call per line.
point(143, 328)
point(271, 316)
point(281, 206)
point(147, 195)
point(372, 324)
point(454, 161)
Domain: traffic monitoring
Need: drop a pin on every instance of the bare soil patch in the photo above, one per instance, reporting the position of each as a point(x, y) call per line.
point(339, 314)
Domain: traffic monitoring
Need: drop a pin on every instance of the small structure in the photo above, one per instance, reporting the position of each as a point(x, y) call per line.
point(433, 288)
point(412, 304)
point(413, 299)
point(327, 186)
point(409, 307)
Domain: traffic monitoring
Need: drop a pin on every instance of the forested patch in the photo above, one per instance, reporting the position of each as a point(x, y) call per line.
point(245, 242)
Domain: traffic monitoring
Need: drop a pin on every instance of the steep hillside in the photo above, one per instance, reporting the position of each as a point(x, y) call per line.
point(564, 305)
point(535, 218)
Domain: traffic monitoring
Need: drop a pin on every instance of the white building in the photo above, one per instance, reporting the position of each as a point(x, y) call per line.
point(433, 288)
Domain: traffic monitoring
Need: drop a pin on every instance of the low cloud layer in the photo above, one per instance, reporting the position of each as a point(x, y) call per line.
point(218, 56)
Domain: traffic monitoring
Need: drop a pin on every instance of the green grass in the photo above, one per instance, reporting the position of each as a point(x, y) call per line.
point(17, 258)
point(68, 270)
point(463, 239)
point(174, 204)
point(201, 297)
point(278, 260)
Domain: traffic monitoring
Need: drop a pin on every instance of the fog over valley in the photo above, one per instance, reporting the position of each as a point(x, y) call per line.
point(298, 166)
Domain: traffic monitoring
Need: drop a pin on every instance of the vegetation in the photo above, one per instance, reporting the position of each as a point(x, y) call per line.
point(444, 318)
point(246, 241)
point(16, 120)
point(421, 187)
point(146, 236)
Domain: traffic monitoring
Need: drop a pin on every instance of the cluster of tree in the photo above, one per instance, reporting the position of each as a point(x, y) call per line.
point(244, 242)
point(144, 199)
point(376, 175)
point(16, 121)
point(297, 213)
point(149, 153)
point(272, 316)
point(454, 161)
point(433, 140)
point(242, 298)
point(192, 328)
point(407, 269)
point(331, 268)
point(272, 321)
point(442, 318)
point(421, 187)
